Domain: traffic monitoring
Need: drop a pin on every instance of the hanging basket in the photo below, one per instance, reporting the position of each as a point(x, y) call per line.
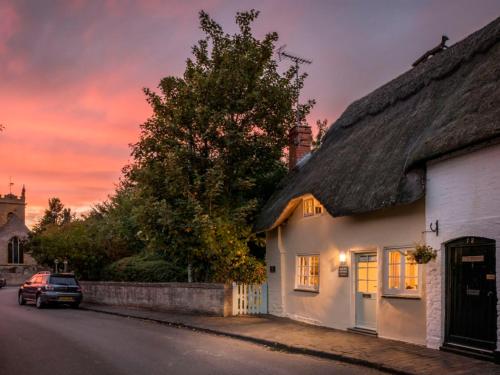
point(423, 254)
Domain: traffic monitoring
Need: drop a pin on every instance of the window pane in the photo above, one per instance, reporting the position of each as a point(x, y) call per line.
point(60, 280)
point(394, 269)
point(372, 286)
point(362, 273)
point(394, 283)
point(372, 274)
point(411, 274)
point(308, 207)
point(362, 287)
point(315, 281)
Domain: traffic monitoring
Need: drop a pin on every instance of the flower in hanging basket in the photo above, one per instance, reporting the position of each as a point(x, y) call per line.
point(423, 254)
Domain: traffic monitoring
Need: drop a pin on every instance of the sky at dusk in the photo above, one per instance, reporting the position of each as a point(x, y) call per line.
point(72, 72)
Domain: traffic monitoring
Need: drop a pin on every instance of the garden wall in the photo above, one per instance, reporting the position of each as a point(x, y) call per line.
point(193, 298)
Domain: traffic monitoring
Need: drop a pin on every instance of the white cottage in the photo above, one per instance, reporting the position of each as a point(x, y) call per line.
point(417, 161)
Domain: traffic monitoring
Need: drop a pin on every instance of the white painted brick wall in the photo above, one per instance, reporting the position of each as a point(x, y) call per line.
point(463, 193)
point(273, 258)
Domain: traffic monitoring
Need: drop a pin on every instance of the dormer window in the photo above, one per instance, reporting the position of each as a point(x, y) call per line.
point(311, 207)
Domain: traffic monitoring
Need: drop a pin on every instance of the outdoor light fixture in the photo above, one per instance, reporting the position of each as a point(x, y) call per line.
point(343, 269)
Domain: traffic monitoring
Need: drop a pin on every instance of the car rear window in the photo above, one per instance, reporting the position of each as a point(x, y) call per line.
point(59, 280)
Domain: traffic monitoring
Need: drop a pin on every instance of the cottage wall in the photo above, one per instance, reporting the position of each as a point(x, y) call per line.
point(398, 318)
point(463, 193)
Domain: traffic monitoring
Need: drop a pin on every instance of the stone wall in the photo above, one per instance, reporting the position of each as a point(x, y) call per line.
point(18, 274)
point(194, 298)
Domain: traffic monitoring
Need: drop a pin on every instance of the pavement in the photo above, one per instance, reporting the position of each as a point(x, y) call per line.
point(294, 337)
point(61, 341)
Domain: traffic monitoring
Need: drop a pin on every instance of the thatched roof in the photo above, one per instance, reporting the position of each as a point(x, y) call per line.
point(374, 155)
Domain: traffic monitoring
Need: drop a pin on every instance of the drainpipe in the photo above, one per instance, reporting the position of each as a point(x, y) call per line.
point(282, 250)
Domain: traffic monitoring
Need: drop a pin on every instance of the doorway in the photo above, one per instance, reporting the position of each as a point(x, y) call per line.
point(366, 291)
point(471, 295)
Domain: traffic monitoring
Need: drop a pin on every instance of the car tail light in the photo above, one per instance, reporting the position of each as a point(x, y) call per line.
point(78, 288)
point(49, 287)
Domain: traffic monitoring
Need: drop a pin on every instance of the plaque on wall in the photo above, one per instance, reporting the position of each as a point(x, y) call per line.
point(473, 258)
point(343, 271)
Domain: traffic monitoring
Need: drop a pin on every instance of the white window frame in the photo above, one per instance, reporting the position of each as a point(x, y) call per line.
point(298, 273)
point(304, 205)
point(315, 205)
point(401, 291)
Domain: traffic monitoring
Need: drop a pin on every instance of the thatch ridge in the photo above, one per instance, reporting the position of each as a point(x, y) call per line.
point(374, 155)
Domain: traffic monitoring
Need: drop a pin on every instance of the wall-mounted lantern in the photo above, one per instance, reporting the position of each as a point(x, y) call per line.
point(343, 267)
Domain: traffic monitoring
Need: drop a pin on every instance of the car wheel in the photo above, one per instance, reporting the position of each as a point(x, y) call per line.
point(20, 299)
point(75, 305)
point(39, 302)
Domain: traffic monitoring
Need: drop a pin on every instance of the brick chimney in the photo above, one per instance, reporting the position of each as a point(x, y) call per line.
point(300, 139)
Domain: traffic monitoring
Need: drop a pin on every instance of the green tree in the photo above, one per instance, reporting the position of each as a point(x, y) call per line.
point(212, 152)
point(89, 243)
point(320, 136)
point(54, 214)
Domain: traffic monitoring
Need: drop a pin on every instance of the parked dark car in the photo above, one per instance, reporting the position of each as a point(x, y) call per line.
point(51, 288)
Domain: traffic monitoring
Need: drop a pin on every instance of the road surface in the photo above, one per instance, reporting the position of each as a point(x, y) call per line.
point(72, 342)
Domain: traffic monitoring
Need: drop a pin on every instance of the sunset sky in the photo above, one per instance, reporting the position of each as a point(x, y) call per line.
point(72, 72)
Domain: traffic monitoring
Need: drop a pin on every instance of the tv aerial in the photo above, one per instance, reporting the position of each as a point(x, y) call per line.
point(297, 60)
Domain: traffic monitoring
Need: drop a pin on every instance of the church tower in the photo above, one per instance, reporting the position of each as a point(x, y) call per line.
point(11, 204)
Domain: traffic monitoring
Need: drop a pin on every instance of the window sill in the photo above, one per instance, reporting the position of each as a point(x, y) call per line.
point(402, 296)
point(306, 290)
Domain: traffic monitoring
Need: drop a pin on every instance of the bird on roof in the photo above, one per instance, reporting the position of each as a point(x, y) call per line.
point(430, 53)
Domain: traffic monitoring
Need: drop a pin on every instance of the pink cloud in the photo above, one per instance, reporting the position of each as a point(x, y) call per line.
point(9, 25)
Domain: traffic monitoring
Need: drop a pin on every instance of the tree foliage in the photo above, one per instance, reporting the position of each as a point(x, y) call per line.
point(55, 214)
point(213, 150)
point(320, 136)
point(88, 243)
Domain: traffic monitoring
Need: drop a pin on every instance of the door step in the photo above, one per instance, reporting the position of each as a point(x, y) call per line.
point(468, 351)
point(363, 331)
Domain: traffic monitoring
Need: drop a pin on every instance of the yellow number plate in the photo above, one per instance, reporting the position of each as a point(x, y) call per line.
point(66, 299)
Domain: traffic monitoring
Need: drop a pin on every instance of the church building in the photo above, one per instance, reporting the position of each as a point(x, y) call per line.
point(15, 265)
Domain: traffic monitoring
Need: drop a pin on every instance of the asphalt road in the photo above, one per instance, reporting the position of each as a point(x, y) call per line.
point(72, 342)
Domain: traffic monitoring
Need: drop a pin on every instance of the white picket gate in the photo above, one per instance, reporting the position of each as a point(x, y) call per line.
point(249, 299)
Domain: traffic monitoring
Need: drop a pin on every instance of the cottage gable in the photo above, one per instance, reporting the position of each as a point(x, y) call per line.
point(374, 155)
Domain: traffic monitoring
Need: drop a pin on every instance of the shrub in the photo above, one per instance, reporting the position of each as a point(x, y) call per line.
point(144, 268)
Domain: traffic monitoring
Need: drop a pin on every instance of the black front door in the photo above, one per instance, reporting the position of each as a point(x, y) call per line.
point(471, 296)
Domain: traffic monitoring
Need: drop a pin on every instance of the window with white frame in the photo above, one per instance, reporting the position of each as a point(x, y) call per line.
point(307, 272)
point(402, 274)
point(311, 207)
